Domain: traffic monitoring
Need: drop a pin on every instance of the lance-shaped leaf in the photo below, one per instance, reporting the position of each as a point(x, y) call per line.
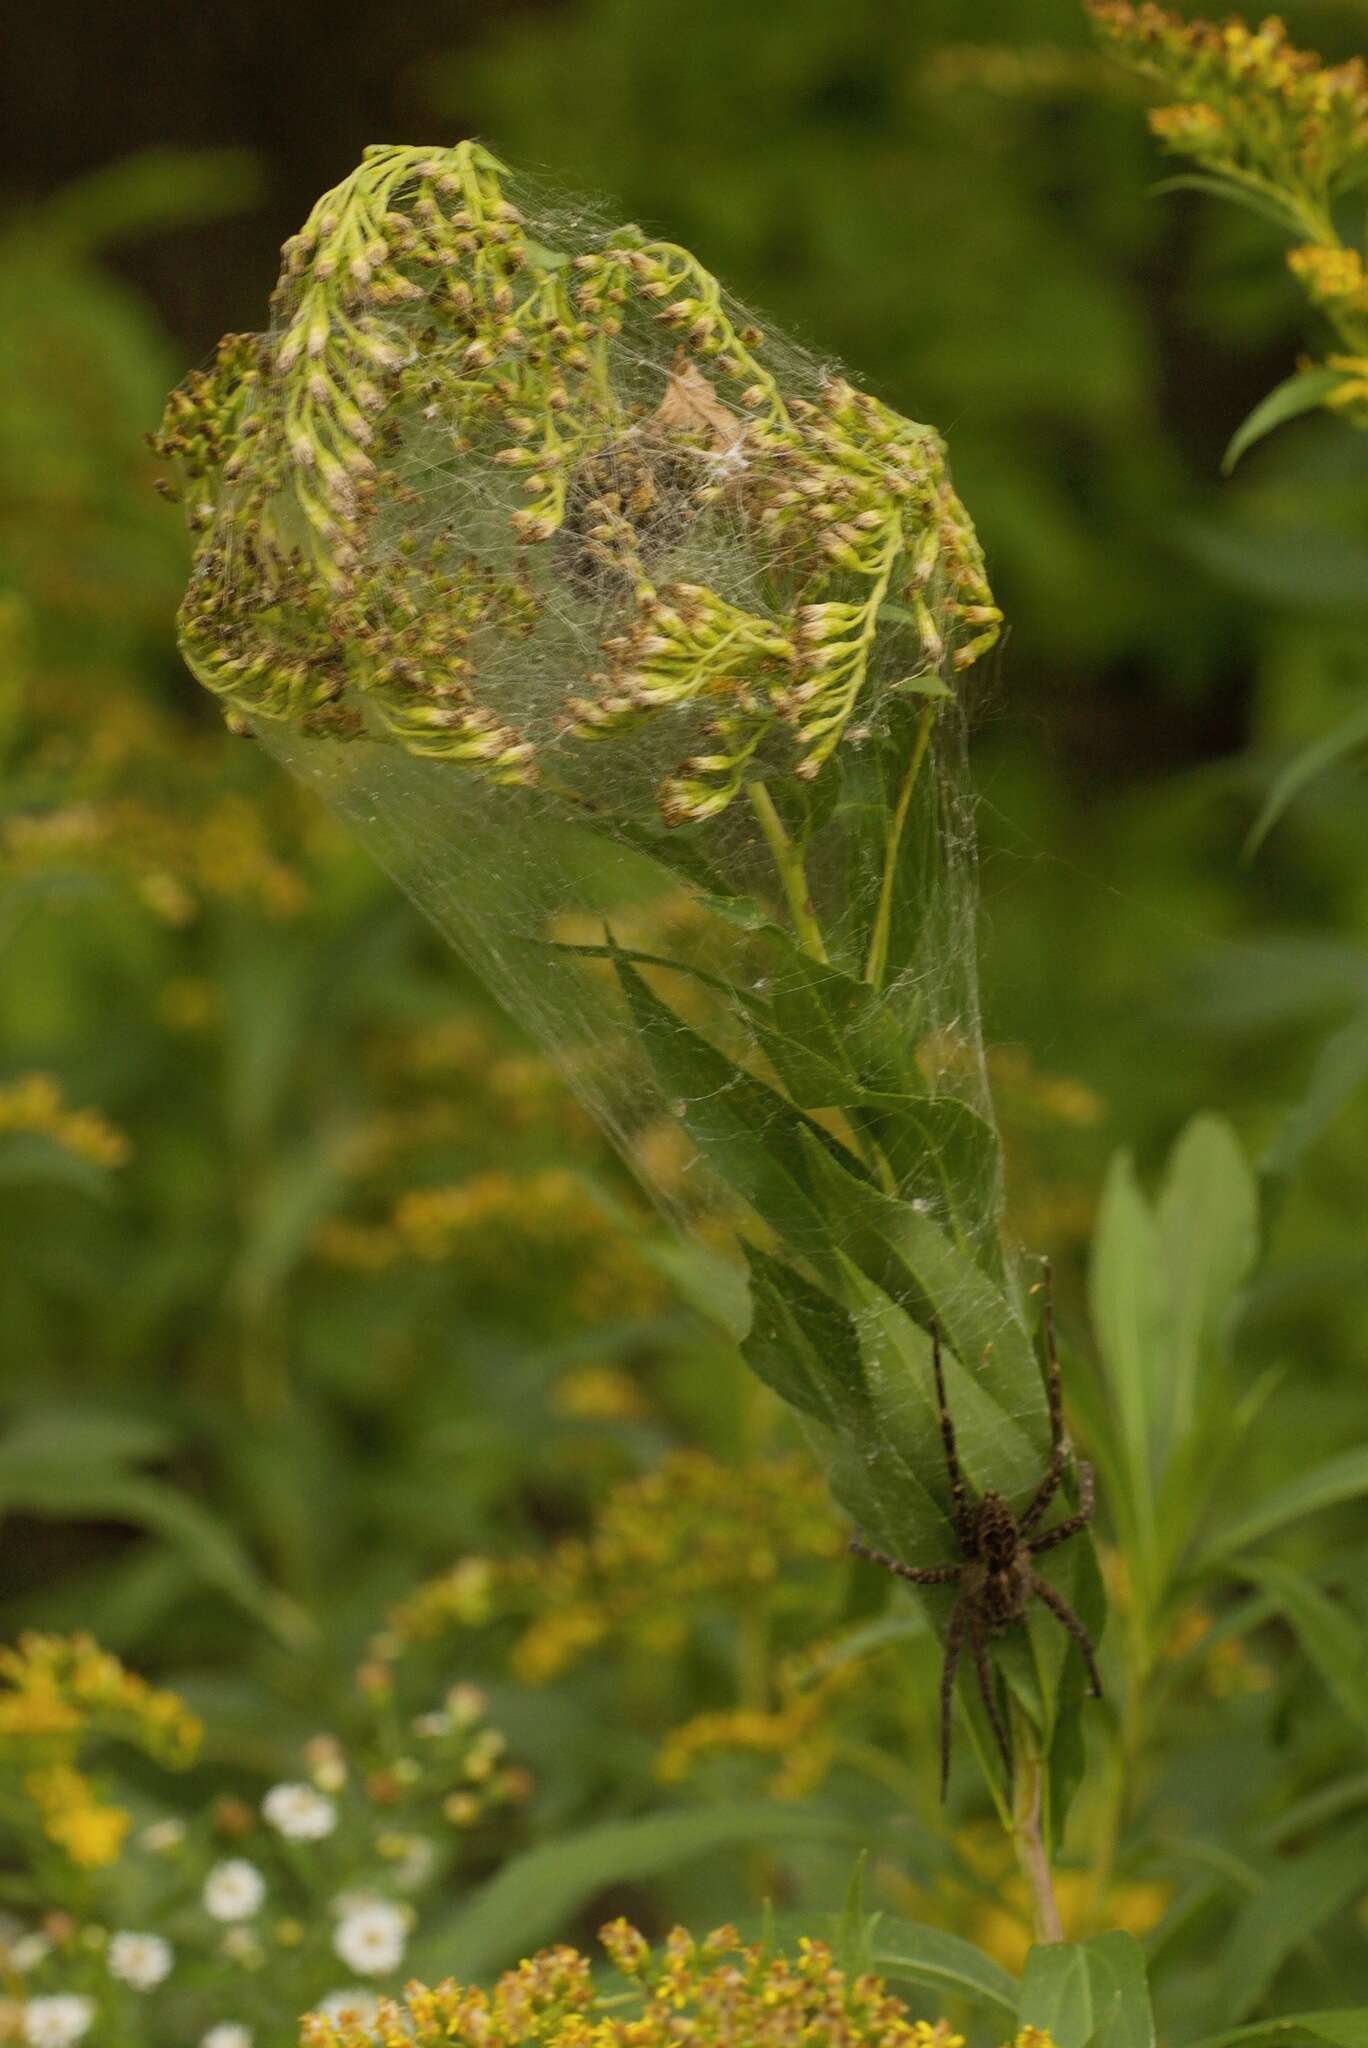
point(747, 1132)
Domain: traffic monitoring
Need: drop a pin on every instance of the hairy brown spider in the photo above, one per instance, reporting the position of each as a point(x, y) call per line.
point(996, 1577)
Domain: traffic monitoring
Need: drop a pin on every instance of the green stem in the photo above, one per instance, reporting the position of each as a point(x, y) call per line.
point(1028, 1802)
point(877, 964)
point(788, 860)
point(1127, 1759)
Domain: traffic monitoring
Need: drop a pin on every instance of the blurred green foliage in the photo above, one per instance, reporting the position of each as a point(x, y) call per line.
point(246, 1407)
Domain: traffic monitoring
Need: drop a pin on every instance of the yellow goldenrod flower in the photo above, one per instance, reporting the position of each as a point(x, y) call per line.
point(94, 1687)
point(490, 1224)
point(598, 1393)
point(56, 1692)
point(1249, 103)
point(716, 1989)
point(1332, 276)
point(92, 1834)
point(692, 1532)
point(34, 1104)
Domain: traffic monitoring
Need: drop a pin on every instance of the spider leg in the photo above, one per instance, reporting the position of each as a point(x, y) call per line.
point(952, 1466)
point(985, 1679)
point(918, 1575)
point(1063, 1530)
point(1049, 1485)
point(953, 1641)
point(1064, 1614)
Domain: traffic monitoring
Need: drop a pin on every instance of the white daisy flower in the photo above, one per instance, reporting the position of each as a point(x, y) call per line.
point(352, 2008)
point(141, 1960)
point(299, 1812)
point(28, 1951)
point(227, 2034)
point(162, 1837)
point(233, 1890)
point(57, 2022)
point(370, 1938)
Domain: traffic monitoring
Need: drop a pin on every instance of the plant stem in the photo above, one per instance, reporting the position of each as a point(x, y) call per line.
point(877, 964)
point(1028, 1795)
point(788, 860)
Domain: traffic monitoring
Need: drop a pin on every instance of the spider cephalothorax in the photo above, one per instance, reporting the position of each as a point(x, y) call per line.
point(996, 1576)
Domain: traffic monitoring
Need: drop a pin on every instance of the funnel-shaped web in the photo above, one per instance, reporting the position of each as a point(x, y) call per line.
point(631, 638)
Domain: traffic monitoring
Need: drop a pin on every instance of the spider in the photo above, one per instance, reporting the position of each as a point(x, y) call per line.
point(996, 1578)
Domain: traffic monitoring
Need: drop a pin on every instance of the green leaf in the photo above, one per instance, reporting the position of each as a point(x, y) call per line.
point(1088, 1992)
point(59, 1491)
point(1331, 1635)
point(33, 1159)
point(534, 1895)
point(907, 1953)
point(712, 1284)
point(1283, 556)
point(907, 1625)
point(854, 1925)
point(1299, 1898)
point(994, 1449)
point(148, 192)
point(1125, 1292)
point(1343, 1477)
point(1264, 205)
point(803, 1345)
point(1297, 395)
point(71, 1435)
point(905, 1252)
point(746, 1131)
point(1303, 769)
point(1340, 1070)
point(1208, 1225)
point(1346, 2027)
point(941, 1152)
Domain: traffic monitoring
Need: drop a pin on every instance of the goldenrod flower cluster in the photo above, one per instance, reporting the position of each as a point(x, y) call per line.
point(499, 1087)
point(35, 1106)
point(1333, 278)
point(716, 1990)
point(252, 1911)
point(799, 1732)
point(447, 444)
point(58, 1693)
point(1247, 103)
point(144, 803)
point(493, 1222)
point(173, 854)
point(1276, 126)
point(691, 1533)
point(59, 1688)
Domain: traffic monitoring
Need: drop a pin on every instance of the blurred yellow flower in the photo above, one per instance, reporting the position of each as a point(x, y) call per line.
point(34, 1104)
point(55, 1693)
point(693, 1532)
point(91, 1833)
